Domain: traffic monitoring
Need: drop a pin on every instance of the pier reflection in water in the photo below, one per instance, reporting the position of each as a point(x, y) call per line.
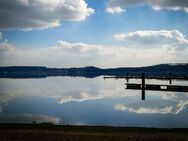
point(155, 87)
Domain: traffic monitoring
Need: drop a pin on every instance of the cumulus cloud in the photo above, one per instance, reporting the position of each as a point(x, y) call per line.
point(28, 118)
point(71, 54)
point(83, 48)
point(39, 14)
point(156, 5)
point(149, 36)
point(163, 45)
point(6, 49)
point(139, 49)
point(5, 46)
point(113, 10)
point(172, 38)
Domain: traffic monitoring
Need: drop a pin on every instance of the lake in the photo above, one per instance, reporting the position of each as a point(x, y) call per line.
point(84, 101)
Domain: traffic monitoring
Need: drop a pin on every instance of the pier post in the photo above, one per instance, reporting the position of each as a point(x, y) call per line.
point(127, 77)
point(143, 86)
point(170, 78)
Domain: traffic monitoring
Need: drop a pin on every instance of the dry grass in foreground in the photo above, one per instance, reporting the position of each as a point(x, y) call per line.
point(20, 132)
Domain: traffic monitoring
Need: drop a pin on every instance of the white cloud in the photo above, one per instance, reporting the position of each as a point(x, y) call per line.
point(166, 46)
point(156, 5)
point(71, 54)
point(82, 48)
point(141, 48)
point(4, 46)
point(153, 37)
point(39, 14)
point(113, 10)
point(172, 38)
point(6, 50)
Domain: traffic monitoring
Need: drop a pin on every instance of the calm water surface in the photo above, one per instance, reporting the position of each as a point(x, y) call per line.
point(83, 101)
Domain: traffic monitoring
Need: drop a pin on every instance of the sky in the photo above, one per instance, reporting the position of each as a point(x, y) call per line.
point(102, 33)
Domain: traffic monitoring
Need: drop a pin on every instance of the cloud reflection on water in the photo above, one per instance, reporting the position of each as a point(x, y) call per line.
point(28, 118)
point(109, 98)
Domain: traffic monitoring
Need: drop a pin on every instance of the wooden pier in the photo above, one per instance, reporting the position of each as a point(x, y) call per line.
point(155, 87)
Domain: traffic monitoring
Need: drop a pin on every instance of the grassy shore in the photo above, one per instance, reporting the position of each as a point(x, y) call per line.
point(23, 132)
